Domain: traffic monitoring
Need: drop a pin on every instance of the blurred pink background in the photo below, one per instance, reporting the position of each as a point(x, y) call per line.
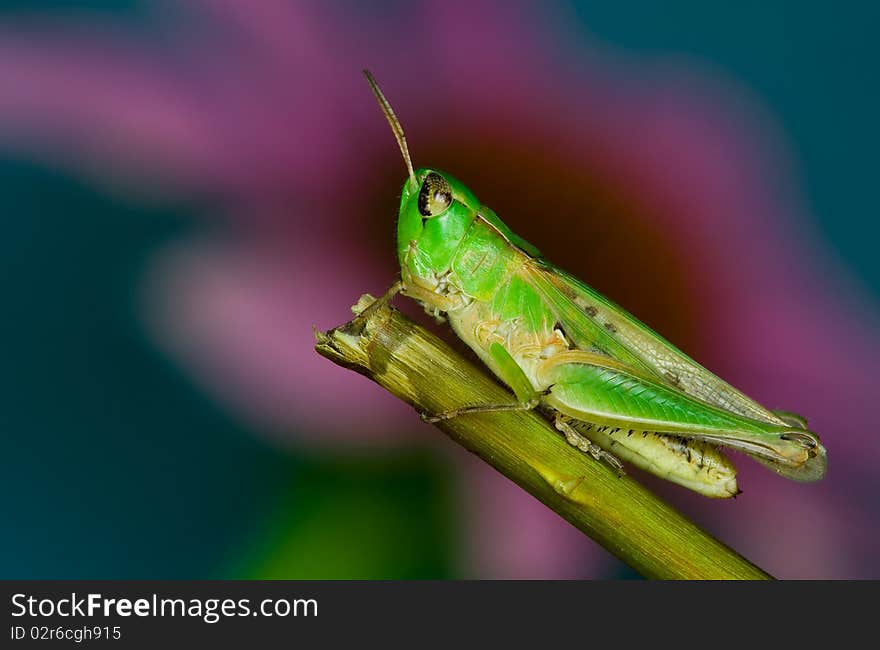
point(664, 181)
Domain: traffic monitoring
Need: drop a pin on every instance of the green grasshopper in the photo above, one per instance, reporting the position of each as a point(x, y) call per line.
point(605, 378)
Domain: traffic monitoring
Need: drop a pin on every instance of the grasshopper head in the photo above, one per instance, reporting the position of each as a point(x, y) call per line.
point(435, 212)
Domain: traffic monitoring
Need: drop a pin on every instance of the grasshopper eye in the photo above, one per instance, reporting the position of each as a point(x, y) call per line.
point(435, 196)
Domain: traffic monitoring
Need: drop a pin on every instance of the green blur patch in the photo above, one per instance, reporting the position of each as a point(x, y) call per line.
point(358, 518)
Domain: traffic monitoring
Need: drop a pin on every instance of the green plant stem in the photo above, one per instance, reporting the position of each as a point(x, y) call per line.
point(653, 538)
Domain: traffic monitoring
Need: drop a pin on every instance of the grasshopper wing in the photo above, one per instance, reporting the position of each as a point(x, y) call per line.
point(596, 325)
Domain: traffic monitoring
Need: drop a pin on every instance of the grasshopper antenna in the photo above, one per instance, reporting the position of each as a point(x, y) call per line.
point(393, 122)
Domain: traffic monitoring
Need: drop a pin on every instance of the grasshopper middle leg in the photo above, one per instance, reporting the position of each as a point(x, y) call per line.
point(527, 405)
point(526, 396)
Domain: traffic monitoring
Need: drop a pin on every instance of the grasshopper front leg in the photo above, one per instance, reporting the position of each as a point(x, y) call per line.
point(378, 303)
point(437, 301)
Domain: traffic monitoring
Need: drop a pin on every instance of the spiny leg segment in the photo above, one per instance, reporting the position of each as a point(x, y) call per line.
point(575, 439)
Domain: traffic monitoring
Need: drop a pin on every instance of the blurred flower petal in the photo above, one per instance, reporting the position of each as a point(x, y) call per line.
point(103, 105)
point(241, 319)
point(513, 536)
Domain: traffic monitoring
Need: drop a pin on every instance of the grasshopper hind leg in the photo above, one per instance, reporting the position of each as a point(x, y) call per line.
point(575, 439)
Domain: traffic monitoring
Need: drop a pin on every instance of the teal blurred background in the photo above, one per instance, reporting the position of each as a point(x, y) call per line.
point(119, 461)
